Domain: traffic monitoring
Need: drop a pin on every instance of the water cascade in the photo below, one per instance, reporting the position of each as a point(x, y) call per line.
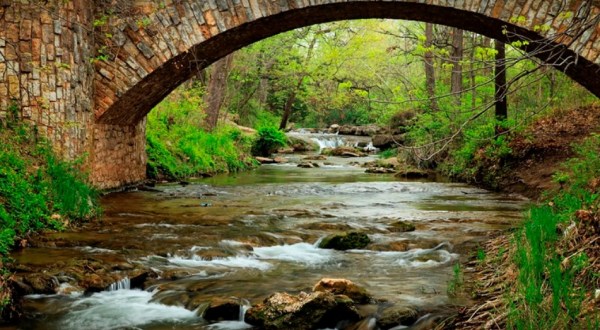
point(123, 284)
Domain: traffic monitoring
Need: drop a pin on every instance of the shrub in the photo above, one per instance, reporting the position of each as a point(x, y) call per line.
point(268, 140)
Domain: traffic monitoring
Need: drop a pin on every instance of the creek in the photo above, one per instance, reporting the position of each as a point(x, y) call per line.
point(251, 234)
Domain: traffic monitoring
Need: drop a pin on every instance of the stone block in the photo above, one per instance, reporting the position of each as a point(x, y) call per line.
point(25, 30)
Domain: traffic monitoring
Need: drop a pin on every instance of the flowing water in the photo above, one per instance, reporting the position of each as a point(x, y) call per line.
point(252, 234)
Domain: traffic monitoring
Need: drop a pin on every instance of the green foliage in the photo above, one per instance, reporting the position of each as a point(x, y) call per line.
point(457, 280)
point(548, 294)
point(268, 140)
point(178, 147)
point(389, 153)
point(37, 190)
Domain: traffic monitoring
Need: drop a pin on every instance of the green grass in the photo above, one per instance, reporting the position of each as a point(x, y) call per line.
point(178, 146)
point(548, 294)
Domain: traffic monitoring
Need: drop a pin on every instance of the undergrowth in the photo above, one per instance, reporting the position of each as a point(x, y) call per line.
point(556, 276)
point(178, 146)
point(38, 190)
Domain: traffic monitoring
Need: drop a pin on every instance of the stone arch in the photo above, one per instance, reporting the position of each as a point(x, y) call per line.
point(172, 42)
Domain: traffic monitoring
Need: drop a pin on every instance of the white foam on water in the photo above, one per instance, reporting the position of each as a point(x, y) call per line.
point(229, 325)
point(121, 308)
point(303, 253)
point(415, 258)
point(230, 262)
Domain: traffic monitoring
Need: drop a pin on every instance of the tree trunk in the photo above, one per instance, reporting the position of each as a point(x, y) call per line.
point(287, 108)
point(456, 86)
point(429, 68)
point(217, 85)
point(500, 83)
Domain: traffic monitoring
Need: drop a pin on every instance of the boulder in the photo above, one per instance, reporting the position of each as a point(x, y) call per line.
point(280, 160)
point(386, 141)
point(396, 315)
point(340, 286)
point(343, 151)
point(41, 283)
point(304, 311)
point(347, 130)
point(222, 309)
point(351, 240)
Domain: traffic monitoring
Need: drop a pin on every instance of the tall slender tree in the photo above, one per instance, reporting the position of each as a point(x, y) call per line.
point(217, 86)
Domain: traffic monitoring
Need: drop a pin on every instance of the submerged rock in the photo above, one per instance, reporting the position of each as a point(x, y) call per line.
point(401, 226)
point(304, 311)
point(352, 240)
point(340, 286)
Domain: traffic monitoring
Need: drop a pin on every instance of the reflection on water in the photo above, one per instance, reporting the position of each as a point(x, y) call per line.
point(252, 234)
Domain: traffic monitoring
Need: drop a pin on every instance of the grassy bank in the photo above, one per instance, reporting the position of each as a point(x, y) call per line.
point(38, 191)
point(178, 147)
point(545, 274)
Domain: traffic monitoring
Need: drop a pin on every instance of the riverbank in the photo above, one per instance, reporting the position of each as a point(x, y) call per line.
point(550, 265)
point(38, 192)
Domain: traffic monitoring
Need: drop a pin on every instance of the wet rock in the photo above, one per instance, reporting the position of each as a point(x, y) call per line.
point(387, 141)
point(264, 160)
point(334, 128)
point(398, 246)
point(347, 130)
point(170, 298)
point(412, 173)
point(122, 266)
point(401, 226)
point(380, 170)
point(41, 283)
point(352, 240)
point(340, 286)
point(222, 309)
point(139, 278)
point(350, 154)
point(343, 151)
point(308, 165)
point(396, 315)
point(301, 145)
point(315, 157)
point(304, 311)
point(326, 226)
point(280, 160)
point(175, 274)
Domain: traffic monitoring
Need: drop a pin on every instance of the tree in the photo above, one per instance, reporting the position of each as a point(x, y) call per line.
point(430, 66)
point(456, 84)
point(500, 82)
point(215, 95)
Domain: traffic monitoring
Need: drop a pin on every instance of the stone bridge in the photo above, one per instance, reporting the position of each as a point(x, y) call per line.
point(88, 71)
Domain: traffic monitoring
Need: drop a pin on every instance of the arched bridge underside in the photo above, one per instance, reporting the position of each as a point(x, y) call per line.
point(87, 82)
point(180, 37)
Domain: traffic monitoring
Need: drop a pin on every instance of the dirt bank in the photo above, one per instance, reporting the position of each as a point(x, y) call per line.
point(538, 151)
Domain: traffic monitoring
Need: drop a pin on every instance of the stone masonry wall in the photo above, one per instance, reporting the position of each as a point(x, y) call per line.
point(46, 71)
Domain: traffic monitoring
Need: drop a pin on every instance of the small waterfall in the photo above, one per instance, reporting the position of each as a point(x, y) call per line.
point(328, 141)
point(244, 306)
point(123, 284)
